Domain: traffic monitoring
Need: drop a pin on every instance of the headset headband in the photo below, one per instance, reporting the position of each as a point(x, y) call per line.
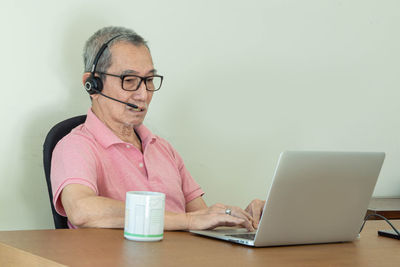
point(101, 50)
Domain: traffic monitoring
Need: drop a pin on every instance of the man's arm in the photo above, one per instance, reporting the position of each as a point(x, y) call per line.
point(196, 204)
point(85, 209)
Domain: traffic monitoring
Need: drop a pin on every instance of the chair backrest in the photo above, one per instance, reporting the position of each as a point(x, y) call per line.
point(60, 130)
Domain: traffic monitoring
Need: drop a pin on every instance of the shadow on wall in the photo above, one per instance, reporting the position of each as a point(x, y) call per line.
point(33, 185)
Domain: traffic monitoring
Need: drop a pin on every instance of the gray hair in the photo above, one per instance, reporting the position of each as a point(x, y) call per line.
point(100, 37)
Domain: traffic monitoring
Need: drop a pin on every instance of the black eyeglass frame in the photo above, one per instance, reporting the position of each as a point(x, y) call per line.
point(122, 77)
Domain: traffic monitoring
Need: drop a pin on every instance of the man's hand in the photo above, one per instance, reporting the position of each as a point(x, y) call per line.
point(255, 209)
point(215, 216)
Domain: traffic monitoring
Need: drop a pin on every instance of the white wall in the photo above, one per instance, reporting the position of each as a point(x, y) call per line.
point(244, 80)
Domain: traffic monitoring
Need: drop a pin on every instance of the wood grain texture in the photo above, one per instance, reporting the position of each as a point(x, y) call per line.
point(107, 247)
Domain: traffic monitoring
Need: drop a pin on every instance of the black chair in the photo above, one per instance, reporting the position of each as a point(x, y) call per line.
point(60, 130)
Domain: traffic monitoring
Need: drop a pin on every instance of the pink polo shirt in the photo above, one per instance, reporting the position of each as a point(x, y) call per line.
point(92, 155)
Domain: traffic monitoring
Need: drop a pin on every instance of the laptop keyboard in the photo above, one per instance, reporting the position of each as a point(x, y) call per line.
point(244, 236)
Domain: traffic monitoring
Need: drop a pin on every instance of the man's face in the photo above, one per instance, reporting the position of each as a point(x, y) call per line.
point(126, 59)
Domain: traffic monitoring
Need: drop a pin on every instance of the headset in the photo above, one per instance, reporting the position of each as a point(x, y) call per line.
point(93, 84)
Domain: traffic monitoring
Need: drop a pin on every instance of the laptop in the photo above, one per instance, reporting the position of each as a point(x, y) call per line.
point(315, 197)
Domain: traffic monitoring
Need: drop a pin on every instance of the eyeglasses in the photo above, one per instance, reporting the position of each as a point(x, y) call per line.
point(131, 82)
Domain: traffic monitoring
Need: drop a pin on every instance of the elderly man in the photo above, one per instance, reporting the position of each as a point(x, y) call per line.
point(113, 152)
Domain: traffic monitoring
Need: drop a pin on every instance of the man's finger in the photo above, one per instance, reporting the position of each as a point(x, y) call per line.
point(238, 212)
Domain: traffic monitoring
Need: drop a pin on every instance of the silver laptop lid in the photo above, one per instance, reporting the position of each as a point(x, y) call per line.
point(318, 197)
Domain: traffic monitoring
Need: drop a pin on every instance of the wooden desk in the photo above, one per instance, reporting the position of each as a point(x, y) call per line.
point(107, 247)
point(387, 207)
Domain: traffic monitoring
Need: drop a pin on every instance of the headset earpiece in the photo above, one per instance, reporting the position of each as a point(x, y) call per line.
point(93, 85)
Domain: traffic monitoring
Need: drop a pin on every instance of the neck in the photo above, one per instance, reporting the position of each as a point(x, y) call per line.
point(125, 132)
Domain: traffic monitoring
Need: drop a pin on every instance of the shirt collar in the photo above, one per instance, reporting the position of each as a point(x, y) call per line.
point(107, 138)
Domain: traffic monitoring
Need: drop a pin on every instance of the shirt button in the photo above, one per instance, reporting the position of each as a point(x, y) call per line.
point(128, 146)
point(141, 165)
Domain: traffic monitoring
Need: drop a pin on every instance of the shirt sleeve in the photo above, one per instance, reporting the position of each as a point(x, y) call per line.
point(73, 162)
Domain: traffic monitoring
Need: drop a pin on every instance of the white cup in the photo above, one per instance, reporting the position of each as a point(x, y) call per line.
point(144, 216)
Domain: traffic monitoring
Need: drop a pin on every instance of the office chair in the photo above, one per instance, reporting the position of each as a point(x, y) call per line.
point(60, 130)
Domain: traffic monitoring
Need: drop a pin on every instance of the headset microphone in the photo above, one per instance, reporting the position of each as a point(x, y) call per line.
point(109, 97)
point(93, 84)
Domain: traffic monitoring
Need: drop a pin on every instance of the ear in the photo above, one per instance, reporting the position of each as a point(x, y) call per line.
point(85, 76)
